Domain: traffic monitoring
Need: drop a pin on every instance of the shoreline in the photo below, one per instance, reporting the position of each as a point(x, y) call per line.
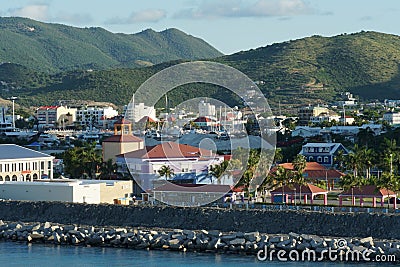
point(208, 241)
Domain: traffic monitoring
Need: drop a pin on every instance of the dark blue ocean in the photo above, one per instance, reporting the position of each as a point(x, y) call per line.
point(21, 254)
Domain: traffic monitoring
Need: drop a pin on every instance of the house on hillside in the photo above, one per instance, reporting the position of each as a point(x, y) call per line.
point(323, 153)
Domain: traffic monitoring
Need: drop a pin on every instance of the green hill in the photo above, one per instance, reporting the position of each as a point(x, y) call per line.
point(55, 47)
point(365, 63)
point(309, 70)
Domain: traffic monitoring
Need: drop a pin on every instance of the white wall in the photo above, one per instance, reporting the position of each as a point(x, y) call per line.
point(35, 191)
point(41, 191)
point(89, 193)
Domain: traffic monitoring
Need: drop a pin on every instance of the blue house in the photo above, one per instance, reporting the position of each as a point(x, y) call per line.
point(323, 153)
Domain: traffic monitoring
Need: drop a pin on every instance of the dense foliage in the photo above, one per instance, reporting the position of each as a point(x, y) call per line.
point(309, 70)
point(54, 47)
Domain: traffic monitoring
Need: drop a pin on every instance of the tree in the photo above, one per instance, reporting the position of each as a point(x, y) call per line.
point(218, 169)
point(107, 169)
point(80, 160)
point(299, 164)
point(166, 171)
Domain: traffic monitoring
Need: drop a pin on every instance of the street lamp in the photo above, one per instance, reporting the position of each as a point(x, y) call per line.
point(295, 196)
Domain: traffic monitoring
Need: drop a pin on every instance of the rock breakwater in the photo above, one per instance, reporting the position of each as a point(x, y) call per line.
point(263, 245)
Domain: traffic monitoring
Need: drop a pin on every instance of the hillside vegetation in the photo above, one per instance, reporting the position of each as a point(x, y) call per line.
point(309, 70)
point(55, 47)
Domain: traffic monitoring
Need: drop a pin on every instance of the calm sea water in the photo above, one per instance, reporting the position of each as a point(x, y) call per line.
point(21, 254)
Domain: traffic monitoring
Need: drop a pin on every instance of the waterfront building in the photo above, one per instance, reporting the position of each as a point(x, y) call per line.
point(55, 116)
point(136, 111)
point(121, 142)
point(183, 159)
point(67, 190)
point(206, 109)
point(305, 113)
point(323, 153)
point(18, 163)
point(94, 116)
point(393, 118)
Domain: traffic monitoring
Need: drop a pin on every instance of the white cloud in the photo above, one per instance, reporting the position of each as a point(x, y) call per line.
point(37, 12)
point(148, 15)
point(239, 8)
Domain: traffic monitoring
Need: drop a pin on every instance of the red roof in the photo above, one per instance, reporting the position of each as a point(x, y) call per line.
point(368, 191)
point(48, 107)
point(203, 119)
point(314, 170)
point(169, 150)
point(193, 188)
point(123, 139)
point(310, 166)
point(146, 119)
point(305, 189)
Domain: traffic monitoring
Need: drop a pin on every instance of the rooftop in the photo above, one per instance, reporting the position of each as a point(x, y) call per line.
point(11, 151)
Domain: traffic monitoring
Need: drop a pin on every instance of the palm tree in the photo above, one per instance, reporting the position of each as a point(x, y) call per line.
point(107, 169)
point(299, 164)
point(283, 178)
point(166, 171)
point(218, 169)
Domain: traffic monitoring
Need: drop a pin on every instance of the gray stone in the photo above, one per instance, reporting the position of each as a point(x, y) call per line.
point(294, 235)
point(214, 233)
point(205, 232)
point(74, 240)
point(227, 238)
point(237, 241)
point(275, 239)
point(358, 248)
point(47, 225)
point(239, 234)
point(36, 227)
point(2, 223)
point(252, 236)
point(303, 246)
point(36, 235)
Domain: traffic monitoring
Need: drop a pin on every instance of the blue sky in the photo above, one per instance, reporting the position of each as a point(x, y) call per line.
point(228, 25)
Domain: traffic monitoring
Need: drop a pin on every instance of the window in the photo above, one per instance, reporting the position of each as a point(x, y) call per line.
point(310, 158)
point(326, 159)
point(319, 159)
point(1, 167)
point(42, 165)
point(49, 165)
point(21, 167)
point(311, 149)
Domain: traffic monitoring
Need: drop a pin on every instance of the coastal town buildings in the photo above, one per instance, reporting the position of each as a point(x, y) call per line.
point(392, 118)
point(323, 153)
point(67, 190)
point(121, 142)
point(183, 159)
point(94, 116)
point(18, 163)
point(55, 116)
point(136, 111)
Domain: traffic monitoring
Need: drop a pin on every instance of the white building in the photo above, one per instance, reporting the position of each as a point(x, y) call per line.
point(206, 109)
point(392, 117)
point(95, 115)
point(66, 190)
point(184, 160)
point(55, 116)
point(18, 163)
point(136, 111)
